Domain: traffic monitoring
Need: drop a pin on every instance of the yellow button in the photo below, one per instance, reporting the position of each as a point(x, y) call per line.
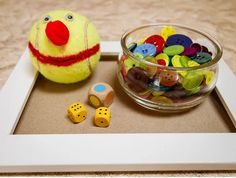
point(209, 76)
point(167, 31)
point(162, 100)
point(157, 93)
point(142, 41)
point(192, 64)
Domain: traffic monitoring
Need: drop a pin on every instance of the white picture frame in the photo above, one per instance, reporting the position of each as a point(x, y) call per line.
point(109, 152)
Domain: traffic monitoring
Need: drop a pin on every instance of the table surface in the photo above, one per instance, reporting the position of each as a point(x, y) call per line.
point(112, 19)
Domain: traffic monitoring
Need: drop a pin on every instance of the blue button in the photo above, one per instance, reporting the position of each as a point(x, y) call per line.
point(146, 50)
point(202, 57)
point(99, 88)
point(179, 39)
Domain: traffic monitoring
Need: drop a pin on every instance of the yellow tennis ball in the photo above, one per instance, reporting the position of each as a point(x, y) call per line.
point(64, 46)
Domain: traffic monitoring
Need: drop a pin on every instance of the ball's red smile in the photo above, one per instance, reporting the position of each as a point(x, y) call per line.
point(66, 60)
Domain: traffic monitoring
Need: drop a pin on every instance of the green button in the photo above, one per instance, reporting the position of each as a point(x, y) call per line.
point(192, 80)
point(184, 61)
point(176, 61)
point(202, 58)
point(174, 50)
point(194, 90)
point(138, 55)
point(164, 57)
point(150, 59)
point(129, 63)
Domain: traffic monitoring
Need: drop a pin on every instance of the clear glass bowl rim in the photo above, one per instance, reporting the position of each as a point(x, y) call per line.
point(213, 62)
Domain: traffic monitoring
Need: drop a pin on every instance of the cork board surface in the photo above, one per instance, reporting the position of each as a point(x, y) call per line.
point(46, 110)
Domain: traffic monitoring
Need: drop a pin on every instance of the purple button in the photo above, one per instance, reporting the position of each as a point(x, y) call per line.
point(197, 46)
point(209, 53)
point(204, 49)
point(179, 39)
point(189, 52)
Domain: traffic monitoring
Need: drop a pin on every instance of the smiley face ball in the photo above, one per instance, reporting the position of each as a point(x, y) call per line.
point(64, 46)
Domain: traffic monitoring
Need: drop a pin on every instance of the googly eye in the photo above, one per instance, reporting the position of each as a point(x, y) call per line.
point(47, 18)
point(69, 17)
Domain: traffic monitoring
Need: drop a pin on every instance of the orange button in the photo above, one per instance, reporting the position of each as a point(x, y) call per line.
point(168, 78)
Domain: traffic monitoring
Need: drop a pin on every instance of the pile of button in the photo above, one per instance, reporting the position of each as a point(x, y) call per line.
point(164, 85)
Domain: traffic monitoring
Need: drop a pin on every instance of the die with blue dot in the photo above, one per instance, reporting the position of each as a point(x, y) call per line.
point(100, 94)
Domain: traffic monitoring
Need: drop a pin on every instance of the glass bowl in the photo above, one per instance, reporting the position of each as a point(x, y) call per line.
point(167, 88)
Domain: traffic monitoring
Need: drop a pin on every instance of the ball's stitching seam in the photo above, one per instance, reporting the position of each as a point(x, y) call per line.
point(86, 44)
point(37, 44)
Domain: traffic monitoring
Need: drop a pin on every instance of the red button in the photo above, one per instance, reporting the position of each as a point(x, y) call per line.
point(160, 62)
point(169, 78)
point(156, 40)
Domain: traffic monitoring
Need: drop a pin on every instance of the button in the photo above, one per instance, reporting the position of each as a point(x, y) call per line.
point(150, 59)
point(179, 39)
point(146, 50)
point(145, 94)
point(156, 40)
point(142, 41)
point(209, 53)
point(161, 99)
point(168, 78)
point(184, 61)
point(123, 58)
point(204, 49)
point(151, 70)
point(176, 61)
point(173, 50)
point(202, 57)
point(197, 46)
point(193, 64)
point(194, 90)
point(161, 62)
point(155, 86)
point(189, 52)
point(129, 63)
point(175, 94)
point(163, 56)
point(192, 80)
point(132, 46)
point(138, 55)
point(157, 93)
point(209, 77)
point(167, 31)
point(137, 79)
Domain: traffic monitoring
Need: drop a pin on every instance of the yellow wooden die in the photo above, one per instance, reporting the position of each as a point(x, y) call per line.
point(100, 94)
point(77, 112)
point(102, 117)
